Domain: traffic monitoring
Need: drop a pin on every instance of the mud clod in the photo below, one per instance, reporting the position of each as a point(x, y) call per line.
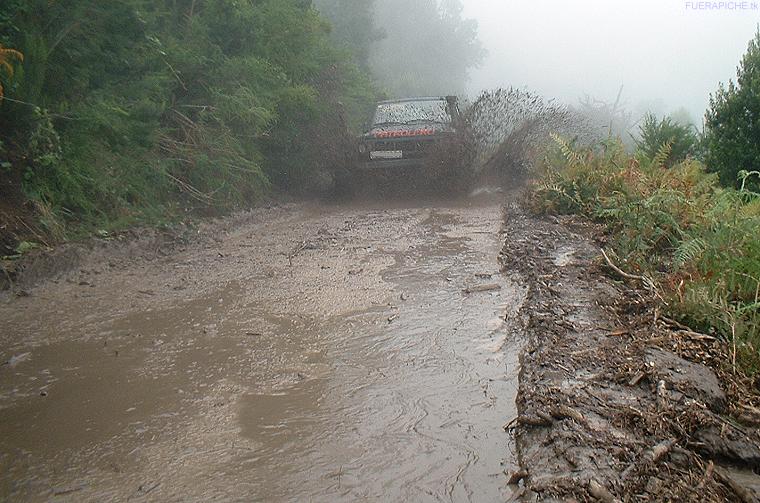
point(693, 380)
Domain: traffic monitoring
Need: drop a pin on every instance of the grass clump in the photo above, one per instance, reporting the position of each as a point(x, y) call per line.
point(697, 241)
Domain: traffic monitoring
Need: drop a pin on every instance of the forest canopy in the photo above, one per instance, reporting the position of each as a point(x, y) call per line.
point(114, 111)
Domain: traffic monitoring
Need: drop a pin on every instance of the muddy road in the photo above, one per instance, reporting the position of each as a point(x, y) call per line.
point(305, 353)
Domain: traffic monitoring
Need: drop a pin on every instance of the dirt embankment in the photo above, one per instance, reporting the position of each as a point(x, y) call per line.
point(99, 254)
point(616, 402)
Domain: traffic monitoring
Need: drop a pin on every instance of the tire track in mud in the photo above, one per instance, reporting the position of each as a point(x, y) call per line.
point(319, 353)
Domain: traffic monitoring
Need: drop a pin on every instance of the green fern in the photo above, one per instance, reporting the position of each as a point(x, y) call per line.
point(663, 154)
point(689, 251)
point(574, 159)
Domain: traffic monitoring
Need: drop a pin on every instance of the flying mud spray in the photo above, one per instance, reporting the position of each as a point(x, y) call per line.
point(511, 133)
point(502, 136)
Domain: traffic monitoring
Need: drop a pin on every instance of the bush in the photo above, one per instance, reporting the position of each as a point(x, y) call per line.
point(678, 226)
point(732, 123)
point(654, 133)
point(125, 110)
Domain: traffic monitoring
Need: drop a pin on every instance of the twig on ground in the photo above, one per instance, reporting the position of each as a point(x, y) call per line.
point(482, 288)
point(295, 252)
point(662, 395)
point(563, 411)
point(653, 455)
point(660, 450)
point(686, 330)
point(647, 282)
point(707, 476)
point(600, 492)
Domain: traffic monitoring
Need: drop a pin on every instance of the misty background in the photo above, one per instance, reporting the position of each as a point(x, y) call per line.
point(667, 56)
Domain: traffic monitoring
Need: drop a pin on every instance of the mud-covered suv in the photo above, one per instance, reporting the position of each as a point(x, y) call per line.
point(409, 132)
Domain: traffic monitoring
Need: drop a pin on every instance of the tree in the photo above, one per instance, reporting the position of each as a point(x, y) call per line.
point(606, 119)
point(732, 123)
point(423, 47)
point(654, 134)
point(137, 107)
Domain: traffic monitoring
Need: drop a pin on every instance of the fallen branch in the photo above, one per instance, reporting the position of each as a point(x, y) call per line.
point(529, 420)
point(686, 330)
point(63, 492)
point(516, 477)
point(565, 412)
point(295, 252)
point(706, 477)
point(653, 455)
point(744, 494)
point(662, 395)
point(660, 450)
point(647, 282)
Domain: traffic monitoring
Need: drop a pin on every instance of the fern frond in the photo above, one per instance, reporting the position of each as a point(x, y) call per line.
point(688, 252)
point(572, 157)
point(662, 155)
point(6, 56)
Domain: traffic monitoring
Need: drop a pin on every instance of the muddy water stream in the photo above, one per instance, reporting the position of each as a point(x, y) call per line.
point(304, 354)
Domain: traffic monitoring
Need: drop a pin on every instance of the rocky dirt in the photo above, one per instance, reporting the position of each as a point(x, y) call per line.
point(616, 402)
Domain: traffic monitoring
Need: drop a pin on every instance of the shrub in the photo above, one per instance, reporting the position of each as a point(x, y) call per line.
point(732, 123)
point(125, 110)
point(654, 133)
point(695, 239)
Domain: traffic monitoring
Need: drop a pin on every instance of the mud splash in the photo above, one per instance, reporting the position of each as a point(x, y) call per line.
point(511, 132)
point(325, 355)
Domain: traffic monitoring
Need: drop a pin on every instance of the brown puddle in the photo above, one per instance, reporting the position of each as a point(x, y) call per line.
point(396, 390)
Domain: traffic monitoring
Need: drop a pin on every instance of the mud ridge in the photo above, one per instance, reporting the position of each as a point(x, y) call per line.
point(97, 254)
point(616, 402)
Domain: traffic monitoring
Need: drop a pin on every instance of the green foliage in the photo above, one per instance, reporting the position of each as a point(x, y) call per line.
point(126, 110)
point(677, 225)
point(681, 139)
point(732, 123)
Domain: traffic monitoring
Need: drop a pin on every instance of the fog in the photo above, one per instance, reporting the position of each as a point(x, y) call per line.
point(666, 54)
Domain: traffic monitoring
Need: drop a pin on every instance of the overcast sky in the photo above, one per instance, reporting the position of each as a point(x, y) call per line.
point(667, 53)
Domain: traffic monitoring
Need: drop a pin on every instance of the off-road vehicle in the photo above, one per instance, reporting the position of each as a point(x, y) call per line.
point(414, 142)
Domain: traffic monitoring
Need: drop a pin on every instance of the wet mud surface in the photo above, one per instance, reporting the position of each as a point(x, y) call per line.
point(302, 353)
point(617, 402)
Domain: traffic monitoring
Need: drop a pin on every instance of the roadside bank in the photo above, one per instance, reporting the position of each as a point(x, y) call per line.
point(616, 402)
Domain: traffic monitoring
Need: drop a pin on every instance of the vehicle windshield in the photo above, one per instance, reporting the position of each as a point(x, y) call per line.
point(406, 112)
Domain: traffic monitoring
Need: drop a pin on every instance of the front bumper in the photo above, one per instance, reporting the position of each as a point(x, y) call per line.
point(415, 151)
point(378, 164)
